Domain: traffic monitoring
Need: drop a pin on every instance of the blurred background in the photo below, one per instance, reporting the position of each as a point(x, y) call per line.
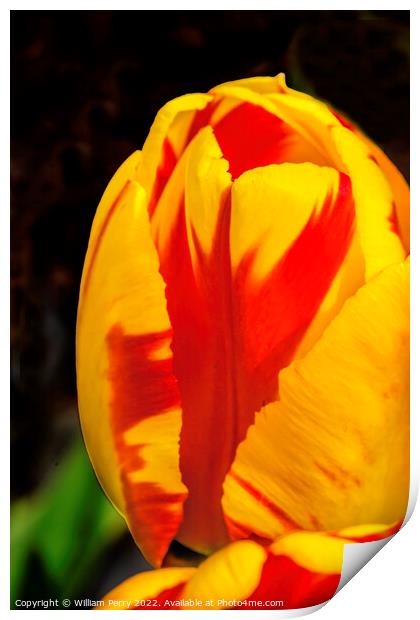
point(85, 89)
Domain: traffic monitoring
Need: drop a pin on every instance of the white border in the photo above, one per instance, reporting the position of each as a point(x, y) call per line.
point(387, 587)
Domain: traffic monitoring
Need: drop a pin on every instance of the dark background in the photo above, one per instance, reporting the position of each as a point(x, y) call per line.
point(85, 89)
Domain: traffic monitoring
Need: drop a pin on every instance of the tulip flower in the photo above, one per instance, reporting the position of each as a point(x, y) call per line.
point(242, 341)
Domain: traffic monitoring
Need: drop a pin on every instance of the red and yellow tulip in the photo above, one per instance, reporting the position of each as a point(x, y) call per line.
point(242, 343)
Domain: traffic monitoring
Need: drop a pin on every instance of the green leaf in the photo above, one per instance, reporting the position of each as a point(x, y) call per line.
point(23, 521)
point(68, 523)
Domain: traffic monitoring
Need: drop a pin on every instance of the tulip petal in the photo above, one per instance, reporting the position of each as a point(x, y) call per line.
point(375, 207)
point(308, 118)
point(165, 143)
point(285, 258)
point(333, 451)
point(199, 184)
point(382, 212)
point(264, 85)
point(311, 118)
point(299, 570)
point(148, 590)
point(250, 136)
point(304, 568)
point(400, 218)
point(252, 133)
point(128, 396)
point(126, 171)
point(191, 234)
point(232, 573)
point(388, 202)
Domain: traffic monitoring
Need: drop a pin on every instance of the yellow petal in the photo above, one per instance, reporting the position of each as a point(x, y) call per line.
point(172, 123)
point(295, 258)
point(373, 197)
point(311, 550)
point(126, 171)
point(399, 187)
point(272, 205)
point(200, 184)
point(207, 185)
point(312, 119)
point(263, 85)
point(333, 451)
point(400, 191)
point(128, 397)
point(147, 591)
point(348, 279)
point(232, 573)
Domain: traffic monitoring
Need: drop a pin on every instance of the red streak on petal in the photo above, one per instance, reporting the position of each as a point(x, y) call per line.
point(339, 476)
point(231, 338)
point(283, 579)
point(201, 119)
point(142, 387)
point(163, 174)
point(344, 121)
point(249, 137)
point(160, 601)
point(239, 531)
point(170, 594)
point(315, 522)
point(275, 314)
point(373, 158)
point(370, 537)
point(393, 220)
point(202, 345)
point(287, 523)
point(169, 159)
point(99, 238)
